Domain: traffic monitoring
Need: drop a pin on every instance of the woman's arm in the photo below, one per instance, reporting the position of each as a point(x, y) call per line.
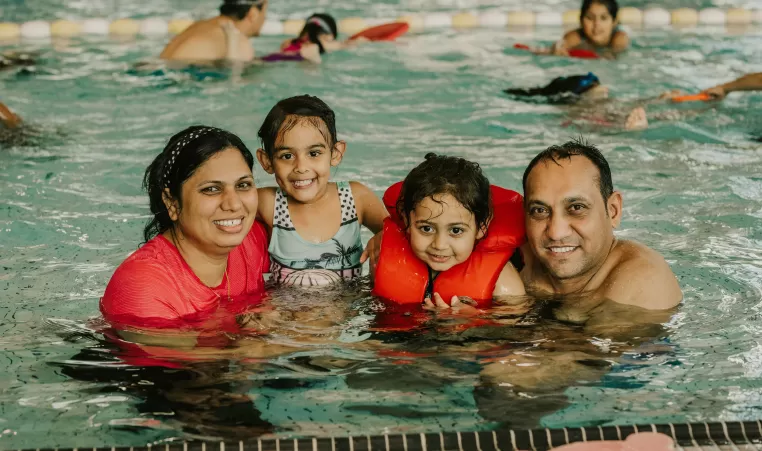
point(370, 209)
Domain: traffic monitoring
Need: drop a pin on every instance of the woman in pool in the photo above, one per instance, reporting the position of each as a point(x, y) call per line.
point(316, 38)
point(205, 255)
point(314, 223)
point(588, 101)
point(599, 30)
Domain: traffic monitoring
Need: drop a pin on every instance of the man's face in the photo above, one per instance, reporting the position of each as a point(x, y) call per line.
point(569, 226)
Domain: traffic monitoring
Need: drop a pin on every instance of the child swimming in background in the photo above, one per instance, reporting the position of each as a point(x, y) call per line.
point(316, 38)
point(314, 224)
point(589, 102)
point(452, 238)
point(599, 30)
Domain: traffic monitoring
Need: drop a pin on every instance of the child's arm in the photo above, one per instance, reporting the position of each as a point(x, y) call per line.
point(570, 40)
point(508, 285)
point(370, 210)
point(620, 42)
point(266, 206)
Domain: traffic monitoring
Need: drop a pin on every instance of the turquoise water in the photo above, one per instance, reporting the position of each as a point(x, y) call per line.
point(71, 210)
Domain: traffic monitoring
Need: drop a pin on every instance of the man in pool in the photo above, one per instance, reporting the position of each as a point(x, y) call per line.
point(225, 37)
point(571, 211)
point(749, 82)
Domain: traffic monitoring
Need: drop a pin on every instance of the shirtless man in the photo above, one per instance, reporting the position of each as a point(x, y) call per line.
point(571, 211)
point(749, 82)
point(225, 37)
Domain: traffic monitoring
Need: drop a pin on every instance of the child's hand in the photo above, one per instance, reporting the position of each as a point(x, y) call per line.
point(458, 305)
point(372, 251)
point(559, 49)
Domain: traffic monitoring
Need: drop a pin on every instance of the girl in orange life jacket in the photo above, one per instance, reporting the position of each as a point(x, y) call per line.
point(445, 207)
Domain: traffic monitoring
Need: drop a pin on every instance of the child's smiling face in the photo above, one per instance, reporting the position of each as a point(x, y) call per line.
point(303, 159)
point(443, 232)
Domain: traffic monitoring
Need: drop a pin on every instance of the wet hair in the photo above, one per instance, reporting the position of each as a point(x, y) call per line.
point(287, 113)
point(559, 90)
point(238, 9)
point(442, 174)
point(316, 25)
point(610, 5)
point(184, 153)
point(566, 151)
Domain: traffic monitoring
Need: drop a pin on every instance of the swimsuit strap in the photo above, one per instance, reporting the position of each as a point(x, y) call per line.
point(348, 208)
point(281, 217)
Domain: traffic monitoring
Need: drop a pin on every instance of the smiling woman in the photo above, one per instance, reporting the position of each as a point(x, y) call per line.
point(204, 256)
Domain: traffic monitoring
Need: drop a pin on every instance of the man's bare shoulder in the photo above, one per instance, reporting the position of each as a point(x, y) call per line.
point(640, 276)
point(202, 41)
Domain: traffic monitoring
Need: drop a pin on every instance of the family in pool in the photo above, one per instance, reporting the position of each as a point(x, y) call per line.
point(444, 237)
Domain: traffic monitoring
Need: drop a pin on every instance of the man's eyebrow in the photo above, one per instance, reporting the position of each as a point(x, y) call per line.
point(572, 199)
point(537, 202)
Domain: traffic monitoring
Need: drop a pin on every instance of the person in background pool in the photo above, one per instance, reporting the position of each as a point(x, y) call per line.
point(749, 82)
point(599, 30)
point(314, 223)
point(587, 96)
point(8, 118)
point(318, 36)
point(225, 37)
point(204, 256)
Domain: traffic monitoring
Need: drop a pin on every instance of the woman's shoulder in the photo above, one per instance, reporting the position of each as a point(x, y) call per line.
point(149, 263)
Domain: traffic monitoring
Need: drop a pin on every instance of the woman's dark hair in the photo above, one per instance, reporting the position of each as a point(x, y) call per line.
point(318, 24)
point(611, 5)
point(442, 174)
point(238, 9)
point(559, 90)
point(184, 153)
point(289, 112)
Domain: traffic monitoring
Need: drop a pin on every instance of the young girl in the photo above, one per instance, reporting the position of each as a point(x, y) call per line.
point(452, 238)
point(599, 30)
point(314, 224)
point(589, 102)
point(316, 38)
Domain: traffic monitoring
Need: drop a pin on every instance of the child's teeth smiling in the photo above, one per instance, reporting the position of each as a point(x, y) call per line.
point(303, 183)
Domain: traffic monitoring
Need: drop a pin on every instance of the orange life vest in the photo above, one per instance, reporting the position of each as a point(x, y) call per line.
point(403, 278)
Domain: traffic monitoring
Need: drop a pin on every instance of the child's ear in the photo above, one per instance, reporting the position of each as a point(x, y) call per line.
point(483, 230)
point(338, 152)
point(173, 207)
point(264, 161)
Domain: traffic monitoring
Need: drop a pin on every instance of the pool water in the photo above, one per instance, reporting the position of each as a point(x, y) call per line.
point(71, 209)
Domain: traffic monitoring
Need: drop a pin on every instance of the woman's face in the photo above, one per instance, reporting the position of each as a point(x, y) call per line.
point(219, 204)
point(598, 25)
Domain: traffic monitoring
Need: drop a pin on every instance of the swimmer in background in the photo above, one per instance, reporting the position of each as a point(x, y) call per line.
point(588, 101)
point(314, 224)
point(8, 118)
point(599, 31)
point(316, 38)
point(225, 37)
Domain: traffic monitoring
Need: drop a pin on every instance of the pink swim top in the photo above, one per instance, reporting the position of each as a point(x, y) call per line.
point(155, 288)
